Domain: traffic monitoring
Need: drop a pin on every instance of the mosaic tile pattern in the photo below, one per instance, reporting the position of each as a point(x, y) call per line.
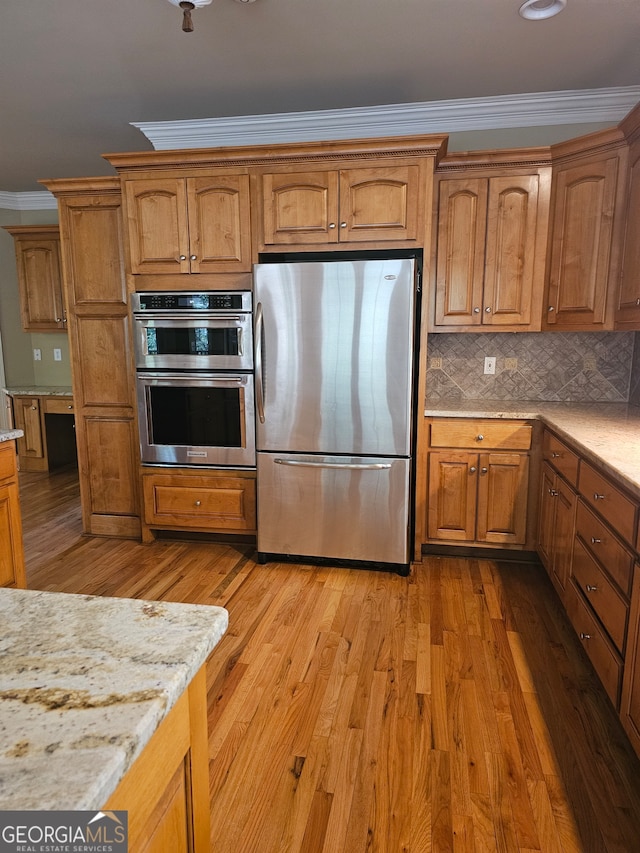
point(544, 366)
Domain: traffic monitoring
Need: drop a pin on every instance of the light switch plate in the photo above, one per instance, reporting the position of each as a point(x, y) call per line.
point(57, 354)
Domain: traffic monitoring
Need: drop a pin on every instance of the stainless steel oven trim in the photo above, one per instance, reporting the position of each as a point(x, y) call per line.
point(197, 456)
point(242, 361)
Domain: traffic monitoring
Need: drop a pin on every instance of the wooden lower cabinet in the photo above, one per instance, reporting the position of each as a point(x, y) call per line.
point(213, 501)
point(478, 498)
point(556, 526)
point(630, 704)
point(49, 431)
point(12, 572)
point(166, 791)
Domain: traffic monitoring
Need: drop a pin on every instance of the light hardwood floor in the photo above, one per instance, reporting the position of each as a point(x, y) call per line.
point(351, 711)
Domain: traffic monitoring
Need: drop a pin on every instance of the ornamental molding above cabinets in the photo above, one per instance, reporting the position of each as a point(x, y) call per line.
point(534, 109)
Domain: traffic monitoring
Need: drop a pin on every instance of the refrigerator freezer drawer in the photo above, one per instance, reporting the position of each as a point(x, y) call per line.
point(334, 507)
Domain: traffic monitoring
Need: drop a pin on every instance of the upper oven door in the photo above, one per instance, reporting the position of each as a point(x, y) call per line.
point(176, 342)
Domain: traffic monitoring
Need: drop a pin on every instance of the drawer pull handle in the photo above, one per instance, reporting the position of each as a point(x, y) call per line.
point(591, 588)
point(555, 455)
point(584, 636)
point(553, 493)
point(598, 497)
point(197, 503)
point(480, 437)
point(595, 541)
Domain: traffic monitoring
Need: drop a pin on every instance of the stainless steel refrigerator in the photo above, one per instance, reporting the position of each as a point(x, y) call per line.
point(334, 365)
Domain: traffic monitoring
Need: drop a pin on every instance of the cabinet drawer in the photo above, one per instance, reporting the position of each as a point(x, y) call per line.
point(605, 547)
point(481, 434)
point(608, 500)
point(58, 405)
point(601, 653)
point(216, 503)
point(8, 468)
point(556, 453)
point(610, 607)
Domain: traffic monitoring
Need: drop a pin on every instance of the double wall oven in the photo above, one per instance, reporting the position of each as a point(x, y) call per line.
point(194, 376)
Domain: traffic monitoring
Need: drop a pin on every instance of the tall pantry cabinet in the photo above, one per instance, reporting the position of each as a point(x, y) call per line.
point(91, 233)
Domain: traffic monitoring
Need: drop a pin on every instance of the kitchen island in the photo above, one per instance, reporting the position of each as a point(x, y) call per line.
point(103, 704)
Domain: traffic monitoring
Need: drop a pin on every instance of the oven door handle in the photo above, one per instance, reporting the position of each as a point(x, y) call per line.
point(350, 466)
point(259, 387)
point(191, 317)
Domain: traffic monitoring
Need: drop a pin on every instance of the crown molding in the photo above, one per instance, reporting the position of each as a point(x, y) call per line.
point(27, 201)
point(536, 109)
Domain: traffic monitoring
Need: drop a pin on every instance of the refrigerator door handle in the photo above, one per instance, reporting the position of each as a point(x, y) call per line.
point(353, 466)
point(258, 364)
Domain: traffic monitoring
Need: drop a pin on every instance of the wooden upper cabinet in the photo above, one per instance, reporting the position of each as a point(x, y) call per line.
point(628, 303)
point(39, 277)
point(584, 244)
point(490, 252)
point(376, 204)
point(189, 225)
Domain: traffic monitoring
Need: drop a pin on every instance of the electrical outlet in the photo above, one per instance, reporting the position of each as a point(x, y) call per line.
point(490, 364)
point(37, 355)
point(57, 355)
point(435, 364)
point(511, 364)
point(589, 363)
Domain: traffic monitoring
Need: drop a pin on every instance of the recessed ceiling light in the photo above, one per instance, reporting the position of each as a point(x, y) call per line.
point(536, 10)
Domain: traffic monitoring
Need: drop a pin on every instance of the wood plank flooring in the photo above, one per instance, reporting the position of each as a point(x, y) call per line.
point(453, 710)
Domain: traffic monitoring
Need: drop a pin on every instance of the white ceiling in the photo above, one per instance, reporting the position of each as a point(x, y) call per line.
point(75, 73)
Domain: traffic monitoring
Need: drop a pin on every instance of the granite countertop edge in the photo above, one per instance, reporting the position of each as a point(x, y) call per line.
point(85, 681)
point(39, 391)
point(607, 434)
point(10, 434)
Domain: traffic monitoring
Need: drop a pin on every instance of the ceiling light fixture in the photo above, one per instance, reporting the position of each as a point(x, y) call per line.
point(537, 10)
point(188, 6)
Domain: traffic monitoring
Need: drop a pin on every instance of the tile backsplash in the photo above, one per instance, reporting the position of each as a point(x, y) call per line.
point(544, 366)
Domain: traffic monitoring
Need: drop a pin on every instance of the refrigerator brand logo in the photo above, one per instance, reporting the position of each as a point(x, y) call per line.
point(63, 831)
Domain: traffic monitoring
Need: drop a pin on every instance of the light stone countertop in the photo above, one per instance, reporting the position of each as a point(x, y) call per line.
point(605, 433)
point(39, 391)
point(84, 683)
point(10, 434)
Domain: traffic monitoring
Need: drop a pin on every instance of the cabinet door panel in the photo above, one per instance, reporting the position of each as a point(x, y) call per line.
point(510, 250)
point(41, 289)
point(502, 498)
point(630, 704)
point(379, 203)
point(219, 235)
point(11, 554)
point(546, 518)
point(628, 313)
point(27, 413)
point(102, 376)
point(110, 463)
point(462, 222)
point(300, 208)
point(564, 532)
point(158, 229)
point(581, 244)
point(452, 496)
point(94, 252)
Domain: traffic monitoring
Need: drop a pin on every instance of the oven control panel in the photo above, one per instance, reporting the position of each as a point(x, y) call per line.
point(180, 301)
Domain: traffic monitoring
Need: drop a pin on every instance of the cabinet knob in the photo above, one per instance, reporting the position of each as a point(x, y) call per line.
point(553, 493)
point(584, 636)
point(193, 257)
point(595, 541)
point(197, 503)
point(476, 310)
point(555, 455)
point(638, 301)
point(182, 258)
point(483, 470)
point(343, 224)
point(591, 588)
point(69, 407)
point(480, 437)
point(487, 310)
point(598, 497)
point(473, 469)
point(33, 408)
point(58, 319)
point(332, 225)
point(551, 308)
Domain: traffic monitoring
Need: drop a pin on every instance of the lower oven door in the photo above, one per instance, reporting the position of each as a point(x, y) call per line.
point(196, 418)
